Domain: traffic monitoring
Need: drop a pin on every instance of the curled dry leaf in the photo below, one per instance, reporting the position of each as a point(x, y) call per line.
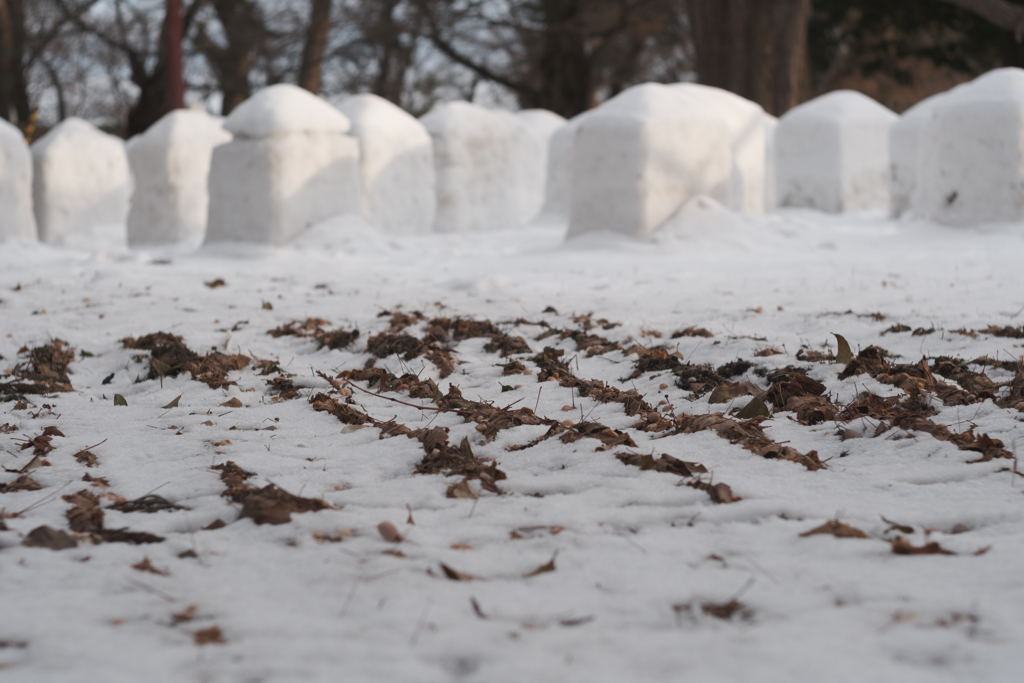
point(233, 403)
point(844, 355)
point(837, 529)
point(390, 532)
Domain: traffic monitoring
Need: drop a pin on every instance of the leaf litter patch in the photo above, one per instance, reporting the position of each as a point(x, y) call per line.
point(268, 505)
point(169, 357)
point(43, 371)
point(316, 329)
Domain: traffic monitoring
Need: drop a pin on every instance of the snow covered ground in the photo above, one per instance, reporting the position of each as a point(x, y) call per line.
point(585, 568)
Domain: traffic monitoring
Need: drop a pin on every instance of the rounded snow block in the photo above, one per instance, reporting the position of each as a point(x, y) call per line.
point(171, 165)
point(641, 155)
point(396, 165)
point(559, 172)
point(832, 154)
point(970, 163)
point(476, 181)
point(81, 181)
point(532, 130)
point(290, 166)
point(904, 144)
point(745, 121)
point(16, 219)
point(770, 124)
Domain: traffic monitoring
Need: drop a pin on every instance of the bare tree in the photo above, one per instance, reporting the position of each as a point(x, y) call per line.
point(316, 42)
point(755, 48)
point(1005, 15)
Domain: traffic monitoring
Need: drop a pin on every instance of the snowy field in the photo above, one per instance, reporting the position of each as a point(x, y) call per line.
point(584, 566)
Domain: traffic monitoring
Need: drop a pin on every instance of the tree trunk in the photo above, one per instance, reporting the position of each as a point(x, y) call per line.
point(172, 37)
point(754, 48)
point(14, 105)
point(316, 41)
point(565, 68)
point(243, 30)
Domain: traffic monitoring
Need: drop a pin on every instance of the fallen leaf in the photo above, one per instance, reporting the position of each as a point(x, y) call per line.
point(844, 355)
point(456, 575)
point(837, 529)
point(188, 614)
point(901, 546)
point(233, 403)
point(119, 400)
point(47, 537)
point(549, 566)
point(390, 532)
point(146, 566)
point(462, 490)
point(209, 636)
point(214, 284)
point(173, 404)
point(755, 408)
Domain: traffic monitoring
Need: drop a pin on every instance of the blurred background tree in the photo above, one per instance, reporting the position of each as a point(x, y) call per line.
point(107, 60)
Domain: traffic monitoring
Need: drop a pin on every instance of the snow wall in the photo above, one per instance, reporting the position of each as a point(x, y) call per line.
point(81, 182)
point(532, 130)
point(476, 181)
point(641, 155)
point(171, 166)
point(832, 154)
point(970, 166)
point(290, 165)
point(396, 164)
point(17, 221)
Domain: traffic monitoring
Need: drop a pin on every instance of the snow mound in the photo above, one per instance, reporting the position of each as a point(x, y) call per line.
point(970, 167)
point(904, 151)
point(171, 165)
point(705, 221)
point(476, 183)
point(290, 166)
point(641, 155)
point(555, 210)
point(281, 109)
point(397, 165)
point(533, 129)
point(16, 219)
point(81, 182)
point(832, 154)
point(770, 125)
point(745, 121)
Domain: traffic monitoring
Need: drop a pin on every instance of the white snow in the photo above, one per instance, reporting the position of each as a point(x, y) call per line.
point(770, 124)
point(16, 219)
point(290, 166)
point(397, 165)
point(641, 155)
point(748, 144)
point(832, 154)
point(171, 166)
point(81, 185)
point(971, 164)
point(636, 553)
point(284, 108)
point(557, 178)
point(532, 131)
point(474, 152)
point(904, 144)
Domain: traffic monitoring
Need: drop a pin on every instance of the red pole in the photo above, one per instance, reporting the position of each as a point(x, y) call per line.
point(175, 79)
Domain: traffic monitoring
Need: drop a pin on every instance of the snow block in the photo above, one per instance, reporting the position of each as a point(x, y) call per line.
point(971, 153)
point(16, 219)
point(832, 154)
point(81, 181)
point(744, 192)
point(171, 166)
point(476, 180)
point(290, 166)
point(770, 124)
point(641, 155)
point(396, 163)
point(532, 130)
point(559, 172)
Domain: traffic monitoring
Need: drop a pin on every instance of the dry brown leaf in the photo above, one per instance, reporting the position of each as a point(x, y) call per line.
point(390, 532)
point(233, 403)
